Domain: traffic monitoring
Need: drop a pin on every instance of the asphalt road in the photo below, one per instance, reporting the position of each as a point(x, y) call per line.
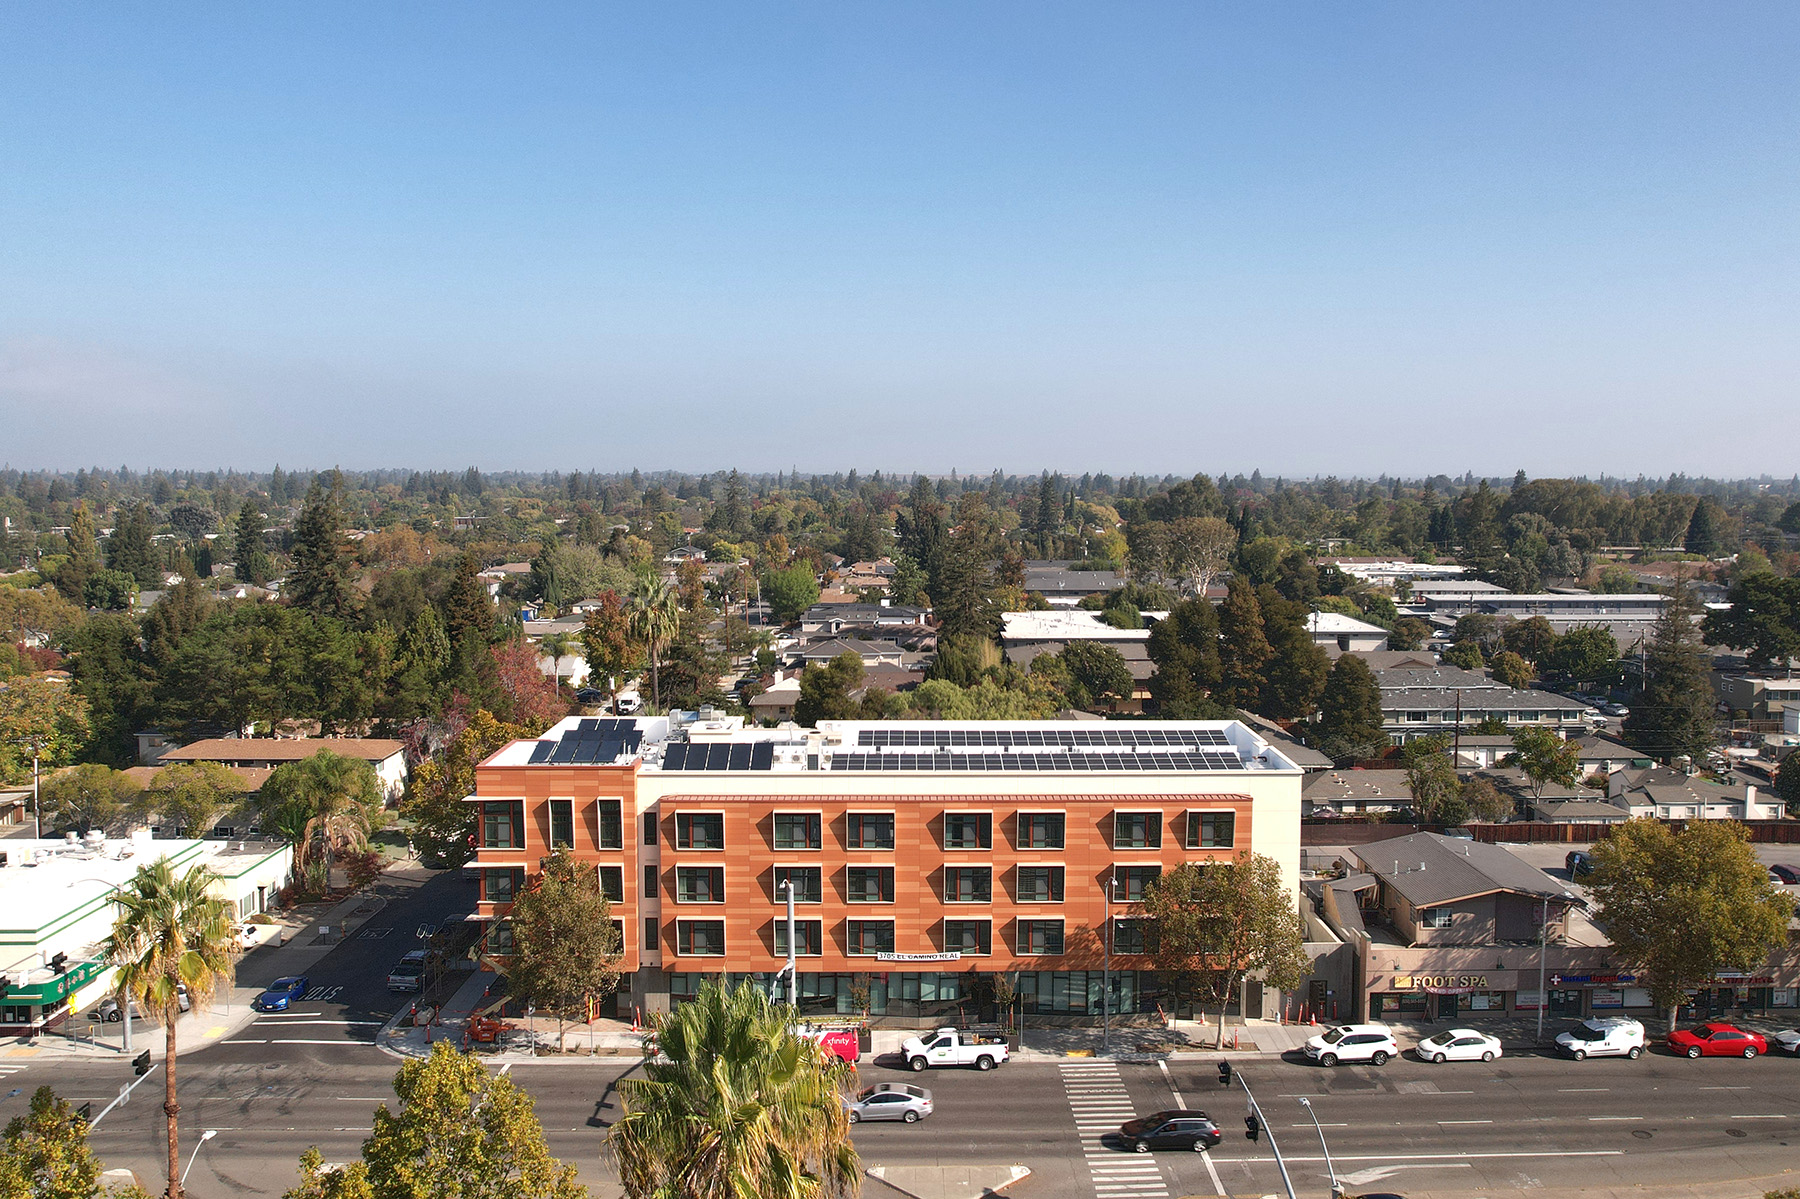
point(1526, 1122)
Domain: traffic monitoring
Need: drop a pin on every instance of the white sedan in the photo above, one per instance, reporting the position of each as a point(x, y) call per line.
point(1459, 1045)
point(1787, 1040)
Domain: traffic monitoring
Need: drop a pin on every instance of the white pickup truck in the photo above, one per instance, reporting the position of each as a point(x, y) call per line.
point(983, 1048)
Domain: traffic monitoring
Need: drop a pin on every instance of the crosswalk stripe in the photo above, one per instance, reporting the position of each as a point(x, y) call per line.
point(1098, 1104)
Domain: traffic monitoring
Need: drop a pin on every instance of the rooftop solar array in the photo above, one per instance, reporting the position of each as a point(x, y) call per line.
point(1016, 738)
point(591, 741)
point(1133, 762)
point(742, 755)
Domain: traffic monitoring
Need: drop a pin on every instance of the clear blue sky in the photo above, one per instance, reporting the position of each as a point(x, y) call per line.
point(1311, 238)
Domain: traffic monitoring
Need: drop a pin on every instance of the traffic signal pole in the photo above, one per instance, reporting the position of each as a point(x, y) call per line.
point(1255, 1122)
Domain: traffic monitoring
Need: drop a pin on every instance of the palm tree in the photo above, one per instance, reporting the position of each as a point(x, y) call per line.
point(323, 801)
point(741, 1109)
point(170, 932)
point(655, 620)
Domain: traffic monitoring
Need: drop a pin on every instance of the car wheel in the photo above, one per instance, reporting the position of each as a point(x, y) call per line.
point(1380, 1057)
point(1140, 1146)
point(1437, 1059)
point(1201, 1146)
point(915, 1064)
point(1487, 1055)
point(1328, 1059)
point(1749, 1051)
point(984, 1062)
point(911, 1117)
point(1633, 1052)
point(1693, 1051)
point(1578, 1054)
point(113, 1017)
point(854, 1117)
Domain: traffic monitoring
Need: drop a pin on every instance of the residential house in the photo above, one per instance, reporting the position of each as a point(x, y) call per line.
point(1063, 587)
point(1425, 702)
point(1354, 792)
point(388, 757)
point(1669, 794)
point(1338, 633)
point(832, 618)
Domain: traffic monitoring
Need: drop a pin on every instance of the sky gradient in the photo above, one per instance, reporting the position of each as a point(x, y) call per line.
point(1309, 238)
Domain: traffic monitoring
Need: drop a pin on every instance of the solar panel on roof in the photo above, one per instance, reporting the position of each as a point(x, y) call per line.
point(675, 756)
point(740, 756)
point(541, 751)
point(565, 750)
point(762, 756)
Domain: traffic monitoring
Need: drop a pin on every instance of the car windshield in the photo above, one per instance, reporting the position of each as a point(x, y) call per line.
point(1334, 1036)
point(865, 1093)
point(1587, 1032)
point(283, 984)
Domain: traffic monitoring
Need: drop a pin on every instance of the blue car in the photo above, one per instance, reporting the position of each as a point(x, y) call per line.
point(280, 993)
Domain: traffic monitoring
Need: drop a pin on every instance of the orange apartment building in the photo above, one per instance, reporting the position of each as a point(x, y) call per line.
point(922, 855)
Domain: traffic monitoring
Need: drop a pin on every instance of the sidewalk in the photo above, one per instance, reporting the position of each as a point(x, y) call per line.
point(295, 949)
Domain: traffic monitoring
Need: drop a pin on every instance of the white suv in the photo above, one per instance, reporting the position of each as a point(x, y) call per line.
point(1603, 1036)
point(1372, 1043)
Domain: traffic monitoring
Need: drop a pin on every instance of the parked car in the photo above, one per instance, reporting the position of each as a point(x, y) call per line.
point(408, 973)
point(1615, 709)
point(982, 1048)
point(889, 1101)
point(1717, 1040)
point(1459, 1045)
point(280, 993)
point(1603, 1036)
point(590, 695)
point(1174, 1129)
point(111, 1012)
point(628, 702)
point(1787, 1040)
point(1579, 864)
point(1372, 1043)
point(1786, 876)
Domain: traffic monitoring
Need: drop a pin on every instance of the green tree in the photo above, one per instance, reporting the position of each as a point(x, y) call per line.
point(1787, 786)
point(1465, 654)
point(334, 800)
point(320, 580)
point(129, 551)
point(90, 797)
point(1220, 922)
point(1546, 758)
point(253, 565)
point(468, 612)
point(1297, 667)
point(1673, 716)
point(443, 826)
point(109, 667)
point(1586, 652)
point(1530, 638)
point(735, 1106)
point(964, 591)
point(1617, 580)
point(1185, 647)
point(171, 933)
point(1350, 720)
point(1706, 529)
point(110, 590)
point(83, 562)
point(566, 949)
point(192, 795)
point(1763, 619)
point(655, 622)
point(1682, 907)
point(1487, 802)
point(790, 590)
point(460, 1131)
point(44, 1153)
point(1431, 778)
point(1511, 669)
point(825, 690)
point(1409, 633)
point(43, 715)
point(1096, 673)
point(1244, 650)
point(613, 652)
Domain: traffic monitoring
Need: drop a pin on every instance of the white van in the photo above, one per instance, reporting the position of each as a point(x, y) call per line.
point(1603, 1036)
point(628, 702)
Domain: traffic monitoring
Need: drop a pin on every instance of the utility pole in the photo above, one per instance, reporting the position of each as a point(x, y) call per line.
point(1543, 944)
point(1266, 1127)
point(37, 807)
point(1106, 892)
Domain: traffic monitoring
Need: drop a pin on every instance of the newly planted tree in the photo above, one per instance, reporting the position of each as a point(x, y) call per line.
point(566, 953)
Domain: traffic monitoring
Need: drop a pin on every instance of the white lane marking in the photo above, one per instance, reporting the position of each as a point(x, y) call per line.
point(362, 1098)
point(1758, 1117)
point(1601, 1119)
point(1212, 1172)
point(1722, 1088)
point(1465, 1121)
point(1580, 1090)
point(1394, 1157)
point(1309, 1125)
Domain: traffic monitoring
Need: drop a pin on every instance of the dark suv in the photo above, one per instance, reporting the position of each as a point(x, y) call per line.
point(1170, 1130)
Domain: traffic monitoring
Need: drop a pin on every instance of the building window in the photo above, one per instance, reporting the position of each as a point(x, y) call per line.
point(869, 884)
point(652, 934)
point(1041, 830)
point(1133, 936)
point(500, 940)
point(808, 883)
point(865, 938)
point(699, 830)
point(1417, 717)
point(562, 823)
point(611, 819)
point(1436, 917)
point(700, 938)
point(1137, 830)
point(869, 830)
point(649, 882)
point(969, 936)
point(798, 830)
point(1129, 882)
point(500, 826)
point(968, 830)
point(649, 823)
point(1211, 830)
point(700, 884)
point(809, 938)
point(968, 884)
point(1040, 884)
point(1040, 938)
point(612, 883)
point(499, 886)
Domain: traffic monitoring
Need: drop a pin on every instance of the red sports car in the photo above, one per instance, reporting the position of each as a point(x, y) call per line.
point(1717, 1040)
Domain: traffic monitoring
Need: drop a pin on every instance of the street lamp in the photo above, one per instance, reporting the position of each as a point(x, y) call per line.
point(1106, 891)
point(1329, 1168)
point(786, 886)
point(124, 1000)
point(206, 1136)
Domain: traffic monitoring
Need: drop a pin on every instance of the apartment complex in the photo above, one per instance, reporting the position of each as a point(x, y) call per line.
point(923, 856)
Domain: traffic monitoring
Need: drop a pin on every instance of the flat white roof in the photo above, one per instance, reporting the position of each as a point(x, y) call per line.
point(1065, 624)
point(1332, 623)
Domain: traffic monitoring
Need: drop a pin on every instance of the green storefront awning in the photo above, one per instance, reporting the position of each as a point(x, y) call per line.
point(53, 990)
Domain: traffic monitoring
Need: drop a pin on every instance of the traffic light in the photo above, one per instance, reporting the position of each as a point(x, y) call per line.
point(5, 988)
point(1225, 1074)
point(141, 1063)
point(60, 963)
point(1252, 1127)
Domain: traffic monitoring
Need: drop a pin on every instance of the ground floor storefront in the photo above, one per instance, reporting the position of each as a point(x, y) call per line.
point(1517, 993)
